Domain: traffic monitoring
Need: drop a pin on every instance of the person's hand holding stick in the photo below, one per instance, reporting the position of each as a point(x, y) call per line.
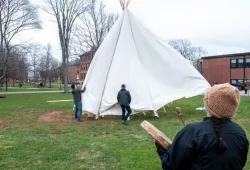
point(156, 134)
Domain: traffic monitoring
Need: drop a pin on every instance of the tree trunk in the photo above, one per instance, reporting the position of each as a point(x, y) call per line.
point(66, 90)
point(50, 83)
point(60, 82)
point(65, 69)
point(34, 83)
point(13, 82)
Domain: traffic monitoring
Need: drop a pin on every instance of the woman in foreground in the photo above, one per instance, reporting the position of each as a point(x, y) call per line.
point(216, 143)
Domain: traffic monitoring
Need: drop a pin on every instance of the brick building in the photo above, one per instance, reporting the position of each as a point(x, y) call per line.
point(86, 59)
point(74, 71)
point(229, 68)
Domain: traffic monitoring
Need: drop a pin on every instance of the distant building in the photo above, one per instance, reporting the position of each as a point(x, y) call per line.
point(229, 68)
point(86, 59)
point(74, 72)
point(78, 68)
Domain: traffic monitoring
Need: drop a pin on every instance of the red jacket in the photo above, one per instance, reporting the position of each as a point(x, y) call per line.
point(245, 85)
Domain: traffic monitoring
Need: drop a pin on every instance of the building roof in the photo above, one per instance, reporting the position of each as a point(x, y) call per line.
point(226, 55)
point(85, 54)
point(88, 52)
point(75, 62)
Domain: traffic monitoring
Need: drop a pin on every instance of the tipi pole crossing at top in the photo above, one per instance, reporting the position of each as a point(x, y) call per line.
point(124, 3)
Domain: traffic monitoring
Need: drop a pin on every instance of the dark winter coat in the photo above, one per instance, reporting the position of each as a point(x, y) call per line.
point(77, 94)
point(194, 148)
point(124, 97)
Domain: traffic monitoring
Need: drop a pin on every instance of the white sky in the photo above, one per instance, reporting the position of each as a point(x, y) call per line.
point(219, 26)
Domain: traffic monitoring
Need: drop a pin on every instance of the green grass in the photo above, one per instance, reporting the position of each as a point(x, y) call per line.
point(30, 87)
point(27, 143)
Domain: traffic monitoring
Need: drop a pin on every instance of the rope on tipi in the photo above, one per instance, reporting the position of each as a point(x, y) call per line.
point(124, 3)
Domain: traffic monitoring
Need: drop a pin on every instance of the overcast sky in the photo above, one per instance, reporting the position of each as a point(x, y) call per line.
point(219, 26)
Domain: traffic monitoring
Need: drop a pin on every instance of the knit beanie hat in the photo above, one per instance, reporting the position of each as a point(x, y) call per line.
point(222, 101)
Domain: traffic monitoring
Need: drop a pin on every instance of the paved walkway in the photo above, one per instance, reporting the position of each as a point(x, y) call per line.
point(31, 92)
point(30, 88)
point(242, 93)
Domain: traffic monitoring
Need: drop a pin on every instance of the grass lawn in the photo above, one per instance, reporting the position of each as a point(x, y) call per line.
point(40, 135)
point(30, 87)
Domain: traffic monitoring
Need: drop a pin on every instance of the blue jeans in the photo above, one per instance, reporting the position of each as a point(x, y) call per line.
point(78, 110)
point(127, 107)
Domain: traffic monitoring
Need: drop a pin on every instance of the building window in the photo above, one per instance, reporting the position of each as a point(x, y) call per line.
point(248, 63)
point(233, 63)
point(240, 63)
point(237, 82)
point(233, 81)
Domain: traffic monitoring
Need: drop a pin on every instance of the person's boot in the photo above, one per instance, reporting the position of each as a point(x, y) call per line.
point(124, 122)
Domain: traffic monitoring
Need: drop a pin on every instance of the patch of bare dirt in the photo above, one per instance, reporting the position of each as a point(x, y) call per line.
point(61, 116)
point(2, 125)
point(53, 116)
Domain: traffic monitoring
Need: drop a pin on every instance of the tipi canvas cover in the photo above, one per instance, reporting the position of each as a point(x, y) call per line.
point(153, 72)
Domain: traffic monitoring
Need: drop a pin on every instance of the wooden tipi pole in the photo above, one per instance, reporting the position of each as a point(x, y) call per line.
point(124, 3)
point(127, 3)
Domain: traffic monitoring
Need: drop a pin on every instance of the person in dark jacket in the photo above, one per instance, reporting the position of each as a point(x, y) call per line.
point(20, 84)
point(216, 143)
point(124, 99)
point(246, 86)
point(77, 95)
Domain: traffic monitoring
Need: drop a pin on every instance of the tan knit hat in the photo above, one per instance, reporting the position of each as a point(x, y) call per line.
point(222, 101)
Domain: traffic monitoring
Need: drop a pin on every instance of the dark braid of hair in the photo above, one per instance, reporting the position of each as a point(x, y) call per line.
point(221, 145)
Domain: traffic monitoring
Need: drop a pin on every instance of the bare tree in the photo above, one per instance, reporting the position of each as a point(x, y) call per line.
point(65, 12)
point(13, 66)
point(93, 27)
point(190, 52)
point(35, 54)
point(18, 66)
point(52, 72)
point(16, 16)
point(23, 69)
point(186, 48)
point(59, 74)
point(45, 63)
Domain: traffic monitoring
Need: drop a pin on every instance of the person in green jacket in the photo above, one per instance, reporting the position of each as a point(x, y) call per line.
point(77, 95)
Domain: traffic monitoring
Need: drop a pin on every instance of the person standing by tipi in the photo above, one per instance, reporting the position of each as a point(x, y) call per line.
point(124, 99)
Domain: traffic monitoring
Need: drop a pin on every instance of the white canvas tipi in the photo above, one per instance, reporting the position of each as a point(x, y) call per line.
point(154, 72)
